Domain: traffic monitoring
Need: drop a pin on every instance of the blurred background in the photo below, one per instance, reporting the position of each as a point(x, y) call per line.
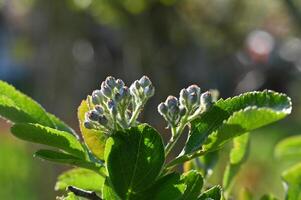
point(58, 51)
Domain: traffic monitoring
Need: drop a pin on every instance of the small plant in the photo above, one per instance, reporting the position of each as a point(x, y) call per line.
point(119, 157)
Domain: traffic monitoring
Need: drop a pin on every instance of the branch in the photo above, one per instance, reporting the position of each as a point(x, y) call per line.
point(83, 193)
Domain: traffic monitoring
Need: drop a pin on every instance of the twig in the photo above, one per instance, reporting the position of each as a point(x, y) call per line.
point(83, 193)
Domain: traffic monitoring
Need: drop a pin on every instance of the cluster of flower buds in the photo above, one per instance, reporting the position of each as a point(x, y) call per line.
point(189, 106)
point(115, 106)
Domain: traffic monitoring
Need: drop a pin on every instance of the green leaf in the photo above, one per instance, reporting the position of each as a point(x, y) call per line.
point(44, 135)
point(268, 197)
point(194, 183)
point(213, 193)
point(167, 187)
point(95, 140)
point(292, 177)
point(63, 158)
point(19, 108)
point(134, 159)
point(71, 196)
point(60, 125)
point(289, 148)
point(80, 178)
point(238, 155)
point(235, 116)
point(108, 192)
point(173, 186)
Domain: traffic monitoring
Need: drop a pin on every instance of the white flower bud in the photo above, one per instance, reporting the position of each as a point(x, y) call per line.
point(110, 81)
point(162, 109)
point(194, 89)
point(206, 100)
point(106, 90)
point(119, 83)
point(149, 91)
point(145, 81)
point(171, 101)
point(183, 97)
point(96, 97)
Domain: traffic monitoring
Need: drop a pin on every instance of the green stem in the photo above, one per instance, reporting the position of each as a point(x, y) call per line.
point(136, 113)
point(184, 158)
point(176, 134)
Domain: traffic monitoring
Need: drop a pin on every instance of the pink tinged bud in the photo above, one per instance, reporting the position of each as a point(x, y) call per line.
point(194, 89)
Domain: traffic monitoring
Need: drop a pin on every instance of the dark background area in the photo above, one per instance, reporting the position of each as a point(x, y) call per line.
point(59, 51)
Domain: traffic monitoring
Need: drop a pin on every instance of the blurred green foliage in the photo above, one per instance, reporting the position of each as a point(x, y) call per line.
point(16, 171)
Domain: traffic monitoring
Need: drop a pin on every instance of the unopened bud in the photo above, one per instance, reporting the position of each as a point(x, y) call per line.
point(110, 81)
point(99, 109)
point(149, 91)
point(106, 90)
point(145, 81)
point(192, 99)
point(117, 97)
point(194, 89)
point(162, 109)
point(112, 107)
point(103, 120)
point(171, 101)
point(206, 100)
point(124, 91)
point(93, 115)
point(88, 124)
point(183, 96)
point(96, 97)
point(119, 83)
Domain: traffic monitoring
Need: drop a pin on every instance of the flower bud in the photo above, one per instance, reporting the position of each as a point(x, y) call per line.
point(96, 97)
point(93, 115)
point(183, 96)
point(106, 90)
point(110, 81)
point(206, 100)
point(145, 81)
point(134, 89)
point(119, 83)
point(162, 109)
point(192, 99)
point(149, 91)
point(194, 89)
point(171, 101)
point(112, 107)
point(103, 120)
point(117, 97)
point(88, 124)
point(124, 92)
point(99, 109)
